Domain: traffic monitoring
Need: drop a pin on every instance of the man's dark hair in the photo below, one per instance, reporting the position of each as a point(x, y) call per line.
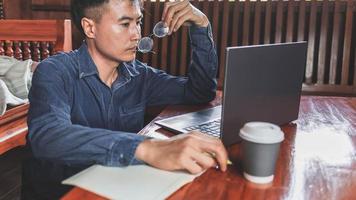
point(92, 9)
point(82, 8)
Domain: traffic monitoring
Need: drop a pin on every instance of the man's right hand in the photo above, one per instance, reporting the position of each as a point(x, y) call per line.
point(191, 151)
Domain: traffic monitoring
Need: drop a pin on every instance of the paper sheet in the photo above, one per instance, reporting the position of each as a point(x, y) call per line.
point(133, 182)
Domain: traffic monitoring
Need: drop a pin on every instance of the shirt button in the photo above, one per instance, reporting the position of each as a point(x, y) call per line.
point(123, 160)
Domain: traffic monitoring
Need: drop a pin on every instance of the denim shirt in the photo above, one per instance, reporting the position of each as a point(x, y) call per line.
point(74, 118)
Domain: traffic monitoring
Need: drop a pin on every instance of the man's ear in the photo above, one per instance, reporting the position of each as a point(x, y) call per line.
point(88, 27)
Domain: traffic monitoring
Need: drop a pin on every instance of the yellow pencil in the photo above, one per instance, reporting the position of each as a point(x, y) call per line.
point(228, 162)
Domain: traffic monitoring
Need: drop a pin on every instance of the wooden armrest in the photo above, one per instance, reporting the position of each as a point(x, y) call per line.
point(13, 128)
point(14, 113)
point(13, 134)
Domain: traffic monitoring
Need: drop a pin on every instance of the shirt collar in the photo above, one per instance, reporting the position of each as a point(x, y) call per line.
point(87, 66)
point(129, 69)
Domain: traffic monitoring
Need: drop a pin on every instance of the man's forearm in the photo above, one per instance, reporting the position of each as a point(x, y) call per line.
point(203, 68)
point(75, 144)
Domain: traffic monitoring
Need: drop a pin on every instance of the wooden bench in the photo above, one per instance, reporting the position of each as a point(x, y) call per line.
point(28, 39)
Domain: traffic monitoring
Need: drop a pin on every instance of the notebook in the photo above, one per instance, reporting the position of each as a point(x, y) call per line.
point(132, 182)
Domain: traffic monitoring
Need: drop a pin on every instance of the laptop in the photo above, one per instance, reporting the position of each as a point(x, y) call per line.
point(262, 83)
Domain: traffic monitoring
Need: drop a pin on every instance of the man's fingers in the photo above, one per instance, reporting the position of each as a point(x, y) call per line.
point(172, 9)
point(165, 8)
point(201, 143)
point(173, 26)
point(194, 168)
point(203, 159)
point(222, 160)
point(220, 154)
point(213, 146)
point(191, 166)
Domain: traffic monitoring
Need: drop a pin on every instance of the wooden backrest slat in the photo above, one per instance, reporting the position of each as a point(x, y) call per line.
point(290, 21)
point(64, 36)
point(347, 43)
point(224, 37)
point(235, 24)
point(301, 20)
point(185, 47)
point(257, 22)
point(246, 23)
point(147, 26)
point(354, 81)
point(8, 49)
point(268, 17)
point(354, 56)
point(335, 42)
point(1, 9)
point(173, 53)
point(156, 18)
point(215, 21)
point(2, 50)
point(311, 42)
point(183, 64)
point(163, 52)
point(204, 5)
point(323, 42)
point(279, 22)
point(18, 51)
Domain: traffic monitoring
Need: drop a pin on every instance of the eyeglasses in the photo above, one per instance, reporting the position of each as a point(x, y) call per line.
point(145, 44)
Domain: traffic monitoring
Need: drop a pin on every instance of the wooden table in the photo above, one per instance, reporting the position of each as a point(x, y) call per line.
point(317, 159)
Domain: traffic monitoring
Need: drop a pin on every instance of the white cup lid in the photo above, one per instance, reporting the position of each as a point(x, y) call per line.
point(262, 132)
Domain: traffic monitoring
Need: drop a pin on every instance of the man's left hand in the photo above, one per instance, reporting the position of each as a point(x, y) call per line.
point(177, 12)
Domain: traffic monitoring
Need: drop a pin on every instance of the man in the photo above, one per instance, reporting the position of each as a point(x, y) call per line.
point(87, 105)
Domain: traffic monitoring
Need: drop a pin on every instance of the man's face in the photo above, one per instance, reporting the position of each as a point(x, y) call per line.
point(119, 30)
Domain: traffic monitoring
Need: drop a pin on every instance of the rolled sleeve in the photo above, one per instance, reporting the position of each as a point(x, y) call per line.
point(123, 151)
point(200, 85)
point(201, 36)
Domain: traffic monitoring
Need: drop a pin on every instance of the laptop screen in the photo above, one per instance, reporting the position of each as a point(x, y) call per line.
point(262, 83)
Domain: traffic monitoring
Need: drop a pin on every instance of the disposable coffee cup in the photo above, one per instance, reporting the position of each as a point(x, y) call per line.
point(260, 149)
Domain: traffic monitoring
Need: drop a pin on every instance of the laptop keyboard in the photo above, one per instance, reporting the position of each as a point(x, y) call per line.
point(211, 128)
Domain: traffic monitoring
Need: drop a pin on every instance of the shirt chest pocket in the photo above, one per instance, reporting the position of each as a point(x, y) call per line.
point(132, 117)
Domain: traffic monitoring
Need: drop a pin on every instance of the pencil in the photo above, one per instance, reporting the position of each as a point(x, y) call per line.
point(228, 162)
